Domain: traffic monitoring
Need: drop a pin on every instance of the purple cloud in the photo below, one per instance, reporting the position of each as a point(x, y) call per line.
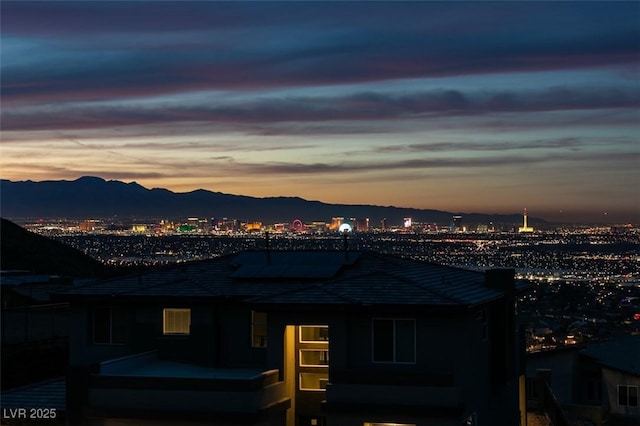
point(364, 106)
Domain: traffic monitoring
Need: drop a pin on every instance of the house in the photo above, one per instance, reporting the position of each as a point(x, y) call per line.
point(593, 384)
point(298, 337)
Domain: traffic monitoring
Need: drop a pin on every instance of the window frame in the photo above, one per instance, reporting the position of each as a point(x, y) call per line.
point(626, 394)
point(165, 311)
point(324, 377)
point(300, 363)
point(312, 341)
point(395, 341)
point(111, 341)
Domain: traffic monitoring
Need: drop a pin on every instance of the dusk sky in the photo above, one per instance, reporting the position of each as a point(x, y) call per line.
point(467, 107)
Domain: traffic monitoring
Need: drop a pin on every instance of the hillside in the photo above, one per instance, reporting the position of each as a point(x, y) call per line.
point(24, 250)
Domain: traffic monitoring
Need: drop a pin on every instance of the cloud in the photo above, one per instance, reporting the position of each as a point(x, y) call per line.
point(469, 163)
point(563, 143)
point(87, 51)
point(357, 107)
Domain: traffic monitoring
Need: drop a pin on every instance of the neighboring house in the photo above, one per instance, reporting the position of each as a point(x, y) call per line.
point(27, 312)
point(298, 337)
point(594, 384)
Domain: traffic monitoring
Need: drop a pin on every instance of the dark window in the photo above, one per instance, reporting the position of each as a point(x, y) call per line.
point(405, 341)
point(394, 340)
point(628, 396)
point(108, 325)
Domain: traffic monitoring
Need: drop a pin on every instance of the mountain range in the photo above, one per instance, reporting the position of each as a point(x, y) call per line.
point(94, 197)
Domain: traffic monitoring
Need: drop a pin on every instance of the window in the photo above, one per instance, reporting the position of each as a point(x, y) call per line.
point(314, 358)
point(258, 329)
point(314, 333)
point(628, 396)
point(394, 340)
point(176, 321)
point(313, 381)
point(108, 325)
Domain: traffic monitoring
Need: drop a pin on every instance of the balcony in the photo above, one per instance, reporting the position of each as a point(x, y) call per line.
point(144, 386)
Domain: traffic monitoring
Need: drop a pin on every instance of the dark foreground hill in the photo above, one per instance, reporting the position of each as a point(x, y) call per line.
point(24, 250)
point(92, 197)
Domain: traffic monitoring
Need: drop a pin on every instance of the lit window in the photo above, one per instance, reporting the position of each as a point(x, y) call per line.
point(176, 321)
point(108, 325)
point(314, 358)
point(394, 340)
point(313, 381)
point(314, 333)
point(627, 396)
point(258, 329)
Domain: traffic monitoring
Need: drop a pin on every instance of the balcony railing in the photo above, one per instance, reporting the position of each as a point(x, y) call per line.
point(142, 385)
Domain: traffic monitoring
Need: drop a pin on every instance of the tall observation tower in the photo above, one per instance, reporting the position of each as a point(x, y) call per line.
point(525, 227)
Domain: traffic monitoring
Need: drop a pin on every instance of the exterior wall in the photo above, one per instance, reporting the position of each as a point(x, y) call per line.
point(563, 365)
point(219, 336)
point(233, 328)
point(452, 364)
point(611, 380)
point(198, 346)
point(452, 356)
point(82, 350)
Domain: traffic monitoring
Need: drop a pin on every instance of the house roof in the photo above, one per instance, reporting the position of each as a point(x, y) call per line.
point(622, 353)
point(305, 277)
point(48, 394)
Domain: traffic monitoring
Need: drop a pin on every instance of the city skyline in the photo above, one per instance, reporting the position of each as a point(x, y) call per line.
point(471, 107)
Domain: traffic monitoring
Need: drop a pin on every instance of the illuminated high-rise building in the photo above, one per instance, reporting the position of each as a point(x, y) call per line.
point(525, 227)
point(336, 222)
point(407, 222)
point(362, 225)
point(456, 223)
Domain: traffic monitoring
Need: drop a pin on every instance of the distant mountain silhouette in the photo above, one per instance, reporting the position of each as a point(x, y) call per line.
point(24, 250)
point(93, 197)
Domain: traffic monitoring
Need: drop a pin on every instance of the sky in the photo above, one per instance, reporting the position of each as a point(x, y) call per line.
point(485, 107)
